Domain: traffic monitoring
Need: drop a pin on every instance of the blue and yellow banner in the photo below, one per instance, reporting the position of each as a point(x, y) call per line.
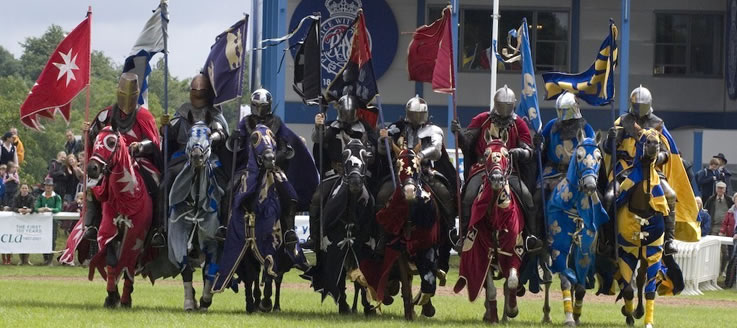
point(594, 86)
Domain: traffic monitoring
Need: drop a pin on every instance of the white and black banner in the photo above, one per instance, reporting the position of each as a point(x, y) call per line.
point(27, 234)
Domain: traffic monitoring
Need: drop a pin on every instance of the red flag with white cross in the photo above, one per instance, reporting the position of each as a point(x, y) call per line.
point(65, 75)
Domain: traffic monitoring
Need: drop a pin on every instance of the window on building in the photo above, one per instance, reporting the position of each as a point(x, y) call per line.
point(549, 37)
point(688, 44)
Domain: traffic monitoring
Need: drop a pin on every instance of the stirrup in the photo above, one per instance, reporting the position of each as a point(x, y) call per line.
point(90, 233)
point(158, 240)
point(221, 233)
point(533, 244)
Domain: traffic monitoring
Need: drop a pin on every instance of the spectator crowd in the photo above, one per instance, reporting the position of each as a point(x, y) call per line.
point(62, 188)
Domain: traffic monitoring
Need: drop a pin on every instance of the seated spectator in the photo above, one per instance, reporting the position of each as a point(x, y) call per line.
point(23, 204)
point(7, 150)
point(11, 181)
point(704, 218)
point(717, 205)
point(49, 202)
point(72, 145)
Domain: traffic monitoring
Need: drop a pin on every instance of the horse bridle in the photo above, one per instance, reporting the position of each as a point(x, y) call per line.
point(579, 175)
point(108, 164)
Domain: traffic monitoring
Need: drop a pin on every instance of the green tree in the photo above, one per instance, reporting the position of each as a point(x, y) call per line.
point(37, 50)
point(9, 65)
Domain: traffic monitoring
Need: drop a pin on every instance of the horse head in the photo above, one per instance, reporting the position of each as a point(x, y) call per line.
point(587, 162)
point(649, 141)
point(355, 157)
point(408, 169)
point(198, 145)
point(107, 149)
point(497, 163)
point(263, 147)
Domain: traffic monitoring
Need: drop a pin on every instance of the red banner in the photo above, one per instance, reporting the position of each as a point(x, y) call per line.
point(430, 55)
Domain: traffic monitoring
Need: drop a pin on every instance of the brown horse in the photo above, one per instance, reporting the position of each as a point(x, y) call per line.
point(492, 248)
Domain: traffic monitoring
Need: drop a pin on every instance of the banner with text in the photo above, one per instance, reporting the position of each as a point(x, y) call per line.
point(28, 234)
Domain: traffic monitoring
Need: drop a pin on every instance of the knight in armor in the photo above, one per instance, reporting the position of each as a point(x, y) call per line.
point(560, 139)
point(138, 127)
point(437, 170)
point(335, 136)
point(291, 156)
point(500, 123)
point(198, 109)
point(641, 114)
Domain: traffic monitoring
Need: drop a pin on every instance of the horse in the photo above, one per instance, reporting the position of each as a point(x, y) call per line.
point(127, 211)
point(254, 233)
point(640, 210)
point(574, 215)
point(410, 220)
point(193, 216)
point(492, 247)
point(347, 233)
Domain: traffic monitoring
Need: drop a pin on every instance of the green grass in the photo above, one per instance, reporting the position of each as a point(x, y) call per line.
point(61, 296)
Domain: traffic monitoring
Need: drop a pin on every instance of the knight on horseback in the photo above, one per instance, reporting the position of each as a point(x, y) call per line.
point(334, 136)
point(438, 172)
point(473, 140)
point(138, 127)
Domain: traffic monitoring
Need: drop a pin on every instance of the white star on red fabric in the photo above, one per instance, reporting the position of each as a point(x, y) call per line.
point(68, 67)
point(130, 182)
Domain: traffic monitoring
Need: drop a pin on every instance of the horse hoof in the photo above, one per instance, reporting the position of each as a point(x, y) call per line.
point(250, 308)
point(649, 325)
point(410, 316)
point(521, 291)
point(513, 312)
point(265, 305)
point(428, 310)
point(112, 300)
point(388, 300)
point(546, 319)
point(369, 311)
point(570, 323)
point(630, 321)
point(343, 308)
point(190, 305)
point(639, 312)
point(126, 305)
point(204, 305)
point(276, 309)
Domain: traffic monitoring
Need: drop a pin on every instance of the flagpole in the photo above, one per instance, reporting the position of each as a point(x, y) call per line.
point(164, 27)
point(454, 33)
point(236, 143)
point(86, 130)
point(494, 40)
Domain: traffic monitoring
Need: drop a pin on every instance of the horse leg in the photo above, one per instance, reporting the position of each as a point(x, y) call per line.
point(565, 287)
point(189, 294)
point(510, 294)
point(113, 297)
point(126, 300)
point(356, 288)
point(277, 297)
point(641, 279)
point(404, 277)
point(210, 260)
point(546, 304)
point(265, 305)
point(580, 292)
point(368, 310)
point(628, 293)
point(490, 315)
point(343, 307)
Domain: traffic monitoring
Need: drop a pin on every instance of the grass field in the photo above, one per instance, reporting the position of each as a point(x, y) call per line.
point(62, 297)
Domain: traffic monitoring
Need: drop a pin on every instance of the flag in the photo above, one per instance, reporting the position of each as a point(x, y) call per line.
point(65, 75)
point(596, 85)
point(149, 43)
point(359, 67)
point(430, 54)
point(307, 66)
point(528, 106)
point(224, 65)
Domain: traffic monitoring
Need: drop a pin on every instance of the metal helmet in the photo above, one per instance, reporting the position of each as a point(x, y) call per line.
point(199, 92)
point(347, 108)
point(416, 111)
point(261, 102)
point(504, 102)
point(641, 101)
point(567, 107)
point(127, 93)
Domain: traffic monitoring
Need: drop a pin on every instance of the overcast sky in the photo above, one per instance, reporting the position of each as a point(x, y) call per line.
point(116, 25)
